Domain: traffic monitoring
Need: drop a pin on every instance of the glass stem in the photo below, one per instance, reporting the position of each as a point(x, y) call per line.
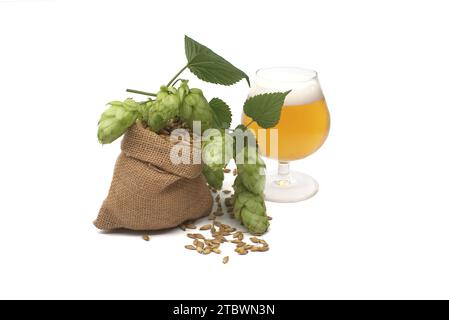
point(284, 173)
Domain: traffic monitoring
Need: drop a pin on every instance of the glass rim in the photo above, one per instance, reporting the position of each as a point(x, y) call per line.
point(313, 74)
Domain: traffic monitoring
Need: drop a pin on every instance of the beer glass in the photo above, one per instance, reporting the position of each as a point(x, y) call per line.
point(302, 129)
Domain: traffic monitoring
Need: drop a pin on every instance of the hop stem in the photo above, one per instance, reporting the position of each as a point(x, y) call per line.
point(141, 92)
point(177, 75)
point(247, 126)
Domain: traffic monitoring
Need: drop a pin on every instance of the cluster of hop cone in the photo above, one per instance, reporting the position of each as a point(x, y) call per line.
point(177, 102)
point(187, 105)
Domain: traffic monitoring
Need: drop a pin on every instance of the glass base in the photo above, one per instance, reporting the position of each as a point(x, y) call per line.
point(294, 187)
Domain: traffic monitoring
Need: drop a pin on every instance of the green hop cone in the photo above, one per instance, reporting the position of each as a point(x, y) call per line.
point(214, 177)
point(156, 122)
point(194, 107)
point(238, 185)
point(143, 109)
point(164, 109)
point(116, 120)
point(217, 148)
point(249, 205)
point(250, 209)
point(256, 224)
point(251, 170)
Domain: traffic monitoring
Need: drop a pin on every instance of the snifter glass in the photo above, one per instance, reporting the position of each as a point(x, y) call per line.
point(302, 129)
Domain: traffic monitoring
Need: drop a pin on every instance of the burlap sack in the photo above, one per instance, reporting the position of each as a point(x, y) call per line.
point(148, 191)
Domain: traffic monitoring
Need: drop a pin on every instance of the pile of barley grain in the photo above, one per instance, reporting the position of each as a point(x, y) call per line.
point(221, 233)
point(218, 233)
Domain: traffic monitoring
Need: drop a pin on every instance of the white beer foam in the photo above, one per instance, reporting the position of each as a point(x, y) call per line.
point(303, 83)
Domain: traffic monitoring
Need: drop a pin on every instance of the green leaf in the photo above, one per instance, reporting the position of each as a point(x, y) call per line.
point(209, 66)
point(265, 108)
point(221, 112)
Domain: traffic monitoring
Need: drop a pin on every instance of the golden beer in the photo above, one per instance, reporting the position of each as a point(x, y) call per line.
point(302, 129)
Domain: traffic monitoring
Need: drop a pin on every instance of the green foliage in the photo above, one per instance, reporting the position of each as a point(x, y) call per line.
point(265, 108)
point(221, 112)
point(218, 147)
point(209, 66)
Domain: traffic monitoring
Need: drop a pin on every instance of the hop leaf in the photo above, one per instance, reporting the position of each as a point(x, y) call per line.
point(221, 112)
point(209, 66)
point(265, 108)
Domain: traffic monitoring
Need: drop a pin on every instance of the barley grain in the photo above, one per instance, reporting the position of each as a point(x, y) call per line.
point(254, 239)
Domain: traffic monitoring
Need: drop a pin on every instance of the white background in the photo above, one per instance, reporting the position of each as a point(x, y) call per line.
point(378, 228)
